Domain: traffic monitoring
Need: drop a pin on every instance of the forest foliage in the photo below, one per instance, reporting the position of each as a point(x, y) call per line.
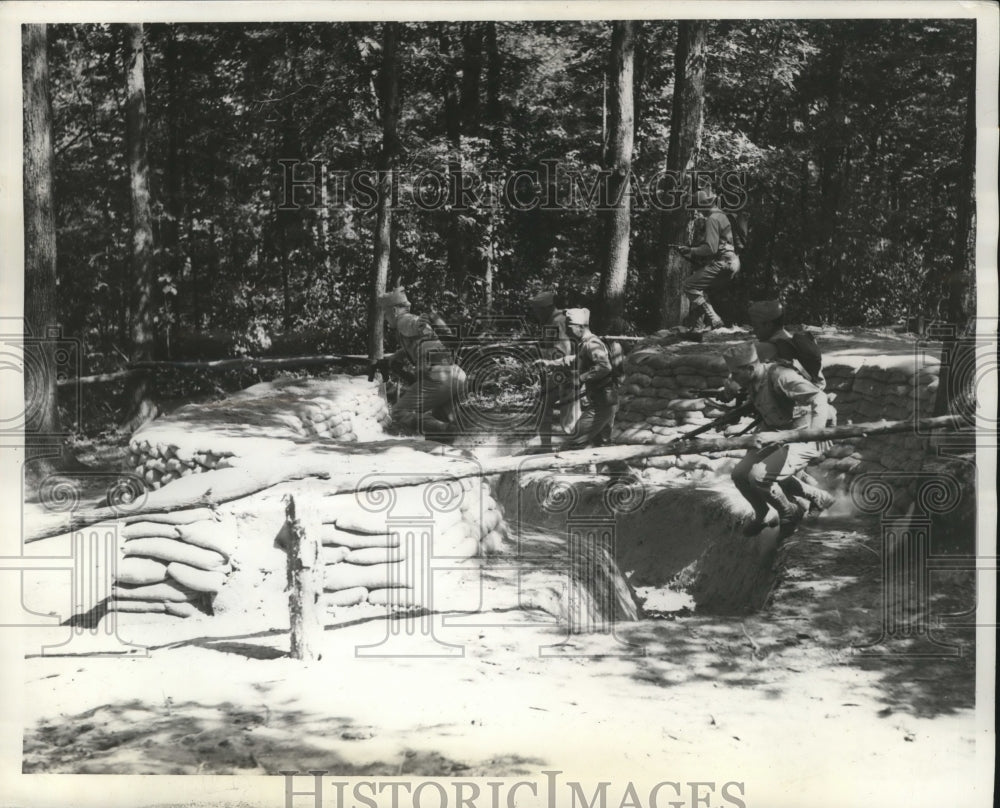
point(848, 134)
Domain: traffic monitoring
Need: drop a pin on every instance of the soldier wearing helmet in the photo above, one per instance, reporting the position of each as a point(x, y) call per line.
point(715, 261)
point(429, 403)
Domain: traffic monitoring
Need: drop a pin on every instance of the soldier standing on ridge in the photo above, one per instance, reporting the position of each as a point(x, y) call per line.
point(593, 363)
point(784, 399)
point(429, 403)
point(715, 260)
point(558, 387)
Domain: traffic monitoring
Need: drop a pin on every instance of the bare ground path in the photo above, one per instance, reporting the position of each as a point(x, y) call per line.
point(784, 699)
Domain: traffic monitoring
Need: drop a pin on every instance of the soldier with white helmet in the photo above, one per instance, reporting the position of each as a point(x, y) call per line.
point(429, 403)
point(592, 362)
point(559, 388)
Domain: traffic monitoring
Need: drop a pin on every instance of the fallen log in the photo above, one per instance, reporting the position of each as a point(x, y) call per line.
point(229, 484)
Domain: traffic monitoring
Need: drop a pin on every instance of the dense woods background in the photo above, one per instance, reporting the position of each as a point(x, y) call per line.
point(855, 138)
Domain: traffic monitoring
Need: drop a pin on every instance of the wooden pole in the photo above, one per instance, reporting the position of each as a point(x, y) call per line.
point(305, 582)
point(225, 485)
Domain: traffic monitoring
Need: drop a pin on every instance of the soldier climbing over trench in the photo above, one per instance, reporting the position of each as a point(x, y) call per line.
point(438, 388)
point(784, 399)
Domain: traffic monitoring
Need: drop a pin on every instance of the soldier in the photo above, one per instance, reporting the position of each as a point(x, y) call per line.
point(784, 399)
point(798, 351)
point(715, 260)
point(428, 404)
point(593, 363)
point(558, 387)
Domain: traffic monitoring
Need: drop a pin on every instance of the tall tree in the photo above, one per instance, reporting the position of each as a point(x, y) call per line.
point(614, 272)
point(40, 311)
point(956, 390)
point(138, 391)
point(687, 114)
point(388, 91)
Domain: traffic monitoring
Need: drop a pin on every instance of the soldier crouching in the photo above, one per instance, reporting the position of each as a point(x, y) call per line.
point(428, 405)
point(784, 399)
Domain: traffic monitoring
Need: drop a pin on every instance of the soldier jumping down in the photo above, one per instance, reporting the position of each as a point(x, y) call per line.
point(784, 399)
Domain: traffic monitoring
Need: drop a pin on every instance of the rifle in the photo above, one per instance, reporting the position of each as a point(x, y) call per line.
point(385, 367)
point(672, 246)
point(731, 417)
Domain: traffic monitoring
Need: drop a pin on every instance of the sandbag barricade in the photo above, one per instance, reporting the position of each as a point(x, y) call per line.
point(376, 555)
point(174, 563)
point(660, 402)
point(205, 436)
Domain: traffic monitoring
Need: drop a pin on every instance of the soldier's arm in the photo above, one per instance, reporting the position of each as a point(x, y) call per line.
point(601, 367)
point(805, 393)
point(710, 246)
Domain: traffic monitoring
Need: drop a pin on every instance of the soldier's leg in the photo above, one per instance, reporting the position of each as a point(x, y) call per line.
point(583, 432)
point(695, 288)
point(796, 456)
point(752, 492)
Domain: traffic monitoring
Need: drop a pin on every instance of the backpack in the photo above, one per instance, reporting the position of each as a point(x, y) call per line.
point(802, 348)
point(740, 224)
point(617, 356)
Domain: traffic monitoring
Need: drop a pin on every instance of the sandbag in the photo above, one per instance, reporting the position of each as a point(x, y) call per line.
point(136, 606)
point(165, 591)
point(181, 609)
point(332, 535)
point(404, 597)
point(372, 555)
point(172, 550)
point(334, 554)
point(196, 579)
point(346, 597)
point(371, 576)
point(219, 537)
point(140, 571)
point(137, 530)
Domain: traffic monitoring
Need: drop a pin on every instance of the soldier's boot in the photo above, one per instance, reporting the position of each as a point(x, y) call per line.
point(714, 320)
point(818, 500)
point(790, 514)
point(757, 497)
point(693, 320)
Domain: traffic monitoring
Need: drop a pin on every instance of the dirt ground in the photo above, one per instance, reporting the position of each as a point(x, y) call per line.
point(786, 700)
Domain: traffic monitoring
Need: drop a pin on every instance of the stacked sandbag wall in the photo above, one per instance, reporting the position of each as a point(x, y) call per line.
point(660, 401)
point(173, 563)
point(365, 551)
point(877, 389)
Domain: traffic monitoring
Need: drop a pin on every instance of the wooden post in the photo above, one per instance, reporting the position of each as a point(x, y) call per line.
point(305, 583)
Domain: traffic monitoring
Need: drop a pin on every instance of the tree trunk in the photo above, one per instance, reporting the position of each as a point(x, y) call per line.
point(957, 390)
point(389, 113)
point(685, 141)
point(138, 389)
point(41, 414)
point(453, 133)
point(617, 219)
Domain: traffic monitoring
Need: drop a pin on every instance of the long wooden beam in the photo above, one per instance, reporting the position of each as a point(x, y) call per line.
point(258, 474)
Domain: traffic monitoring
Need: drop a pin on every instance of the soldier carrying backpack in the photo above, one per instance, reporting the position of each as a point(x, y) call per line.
point(800, 352)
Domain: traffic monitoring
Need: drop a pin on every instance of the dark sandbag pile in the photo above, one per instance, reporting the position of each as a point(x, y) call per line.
point(201, 437)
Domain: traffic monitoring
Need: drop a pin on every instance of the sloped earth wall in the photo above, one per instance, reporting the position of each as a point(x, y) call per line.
point(381, 549)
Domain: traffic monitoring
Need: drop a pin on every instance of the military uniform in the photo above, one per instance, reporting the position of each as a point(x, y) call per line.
point(429, 402)
point(714, 257)
point(784, 399)
point(559, 387)
point(593, 365)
